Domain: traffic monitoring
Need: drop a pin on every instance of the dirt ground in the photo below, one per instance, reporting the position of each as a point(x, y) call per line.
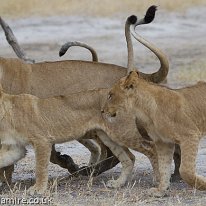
point(182, 36)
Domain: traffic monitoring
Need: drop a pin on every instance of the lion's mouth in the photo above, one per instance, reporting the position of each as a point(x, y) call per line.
point(109, 116)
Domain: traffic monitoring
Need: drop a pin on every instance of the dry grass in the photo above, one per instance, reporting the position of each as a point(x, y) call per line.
point(20, 8)
point(79, 191)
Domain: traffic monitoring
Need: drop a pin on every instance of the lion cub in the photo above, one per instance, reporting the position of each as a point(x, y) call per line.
point(27, 119)
point(169, 116)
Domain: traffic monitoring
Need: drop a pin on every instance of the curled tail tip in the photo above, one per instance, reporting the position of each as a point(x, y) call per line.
point(150, 14)
point(132, 19)
point(61, 53)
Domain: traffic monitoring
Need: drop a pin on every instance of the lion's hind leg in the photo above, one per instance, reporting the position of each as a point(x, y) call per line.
point(189, 150)
point(177, 162)
point(102, 159)
point(94, 148)
point(97, 148)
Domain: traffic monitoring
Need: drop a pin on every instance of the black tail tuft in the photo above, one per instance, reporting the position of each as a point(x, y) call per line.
point(150, 14)
point(132, 19)
point(61, 53)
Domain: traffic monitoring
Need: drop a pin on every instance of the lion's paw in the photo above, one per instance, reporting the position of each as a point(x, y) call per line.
point(33, 190)
point(113, 184)
point(155, 181)
point(155, 192)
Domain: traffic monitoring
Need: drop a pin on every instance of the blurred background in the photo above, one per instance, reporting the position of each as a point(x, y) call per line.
point(179, 29)
point(22, 8)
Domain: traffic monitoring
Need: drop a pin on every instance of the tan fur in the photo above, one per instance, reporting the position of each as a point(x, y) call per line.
point(53, 78)
point(27, 119)
point(60, 78)
point(169, 116)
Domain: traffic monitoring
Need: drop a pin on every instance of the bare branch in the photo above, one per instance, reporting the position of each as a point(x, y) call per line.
point(14, 43)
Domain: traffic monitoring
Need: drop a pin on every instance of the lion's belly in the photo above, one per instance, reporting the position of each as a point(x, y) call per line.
point(12, 137)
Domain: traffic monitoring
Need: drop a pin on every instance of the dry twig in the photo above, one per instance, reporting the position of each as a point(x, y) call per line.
point(14, 43)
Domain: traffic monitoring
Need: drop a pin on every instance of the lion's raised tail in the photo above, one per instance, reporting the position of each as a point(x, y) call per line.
point(67, 45)
point(161, 74)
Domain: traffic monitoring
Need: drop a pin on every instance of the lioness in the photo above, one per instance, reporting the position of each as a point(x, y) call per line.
point(55, 78)
point(169, 116)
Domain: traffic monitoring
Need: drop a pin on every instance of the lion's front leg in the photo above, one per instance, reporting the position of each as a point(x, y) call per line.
point(165, 156)
point(125, 157)
point(189, 150)
point(42, 155)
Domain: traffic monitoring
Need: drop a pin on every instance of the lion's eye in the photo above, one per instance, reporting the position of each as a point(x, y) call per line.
point(109, 96)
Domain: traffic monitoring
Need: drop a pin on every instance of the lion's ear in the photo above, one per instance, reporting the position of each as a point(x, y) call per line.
point(131, 79)
point(134, 73)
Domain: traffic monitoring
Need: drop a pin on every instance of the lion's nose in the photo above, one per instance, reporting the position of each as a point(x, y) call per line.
point(102, 111)
point(114, 114)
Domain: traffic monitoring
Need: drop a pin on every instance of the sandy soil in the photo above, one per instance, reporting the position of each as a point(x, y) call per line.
point(181, 35)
